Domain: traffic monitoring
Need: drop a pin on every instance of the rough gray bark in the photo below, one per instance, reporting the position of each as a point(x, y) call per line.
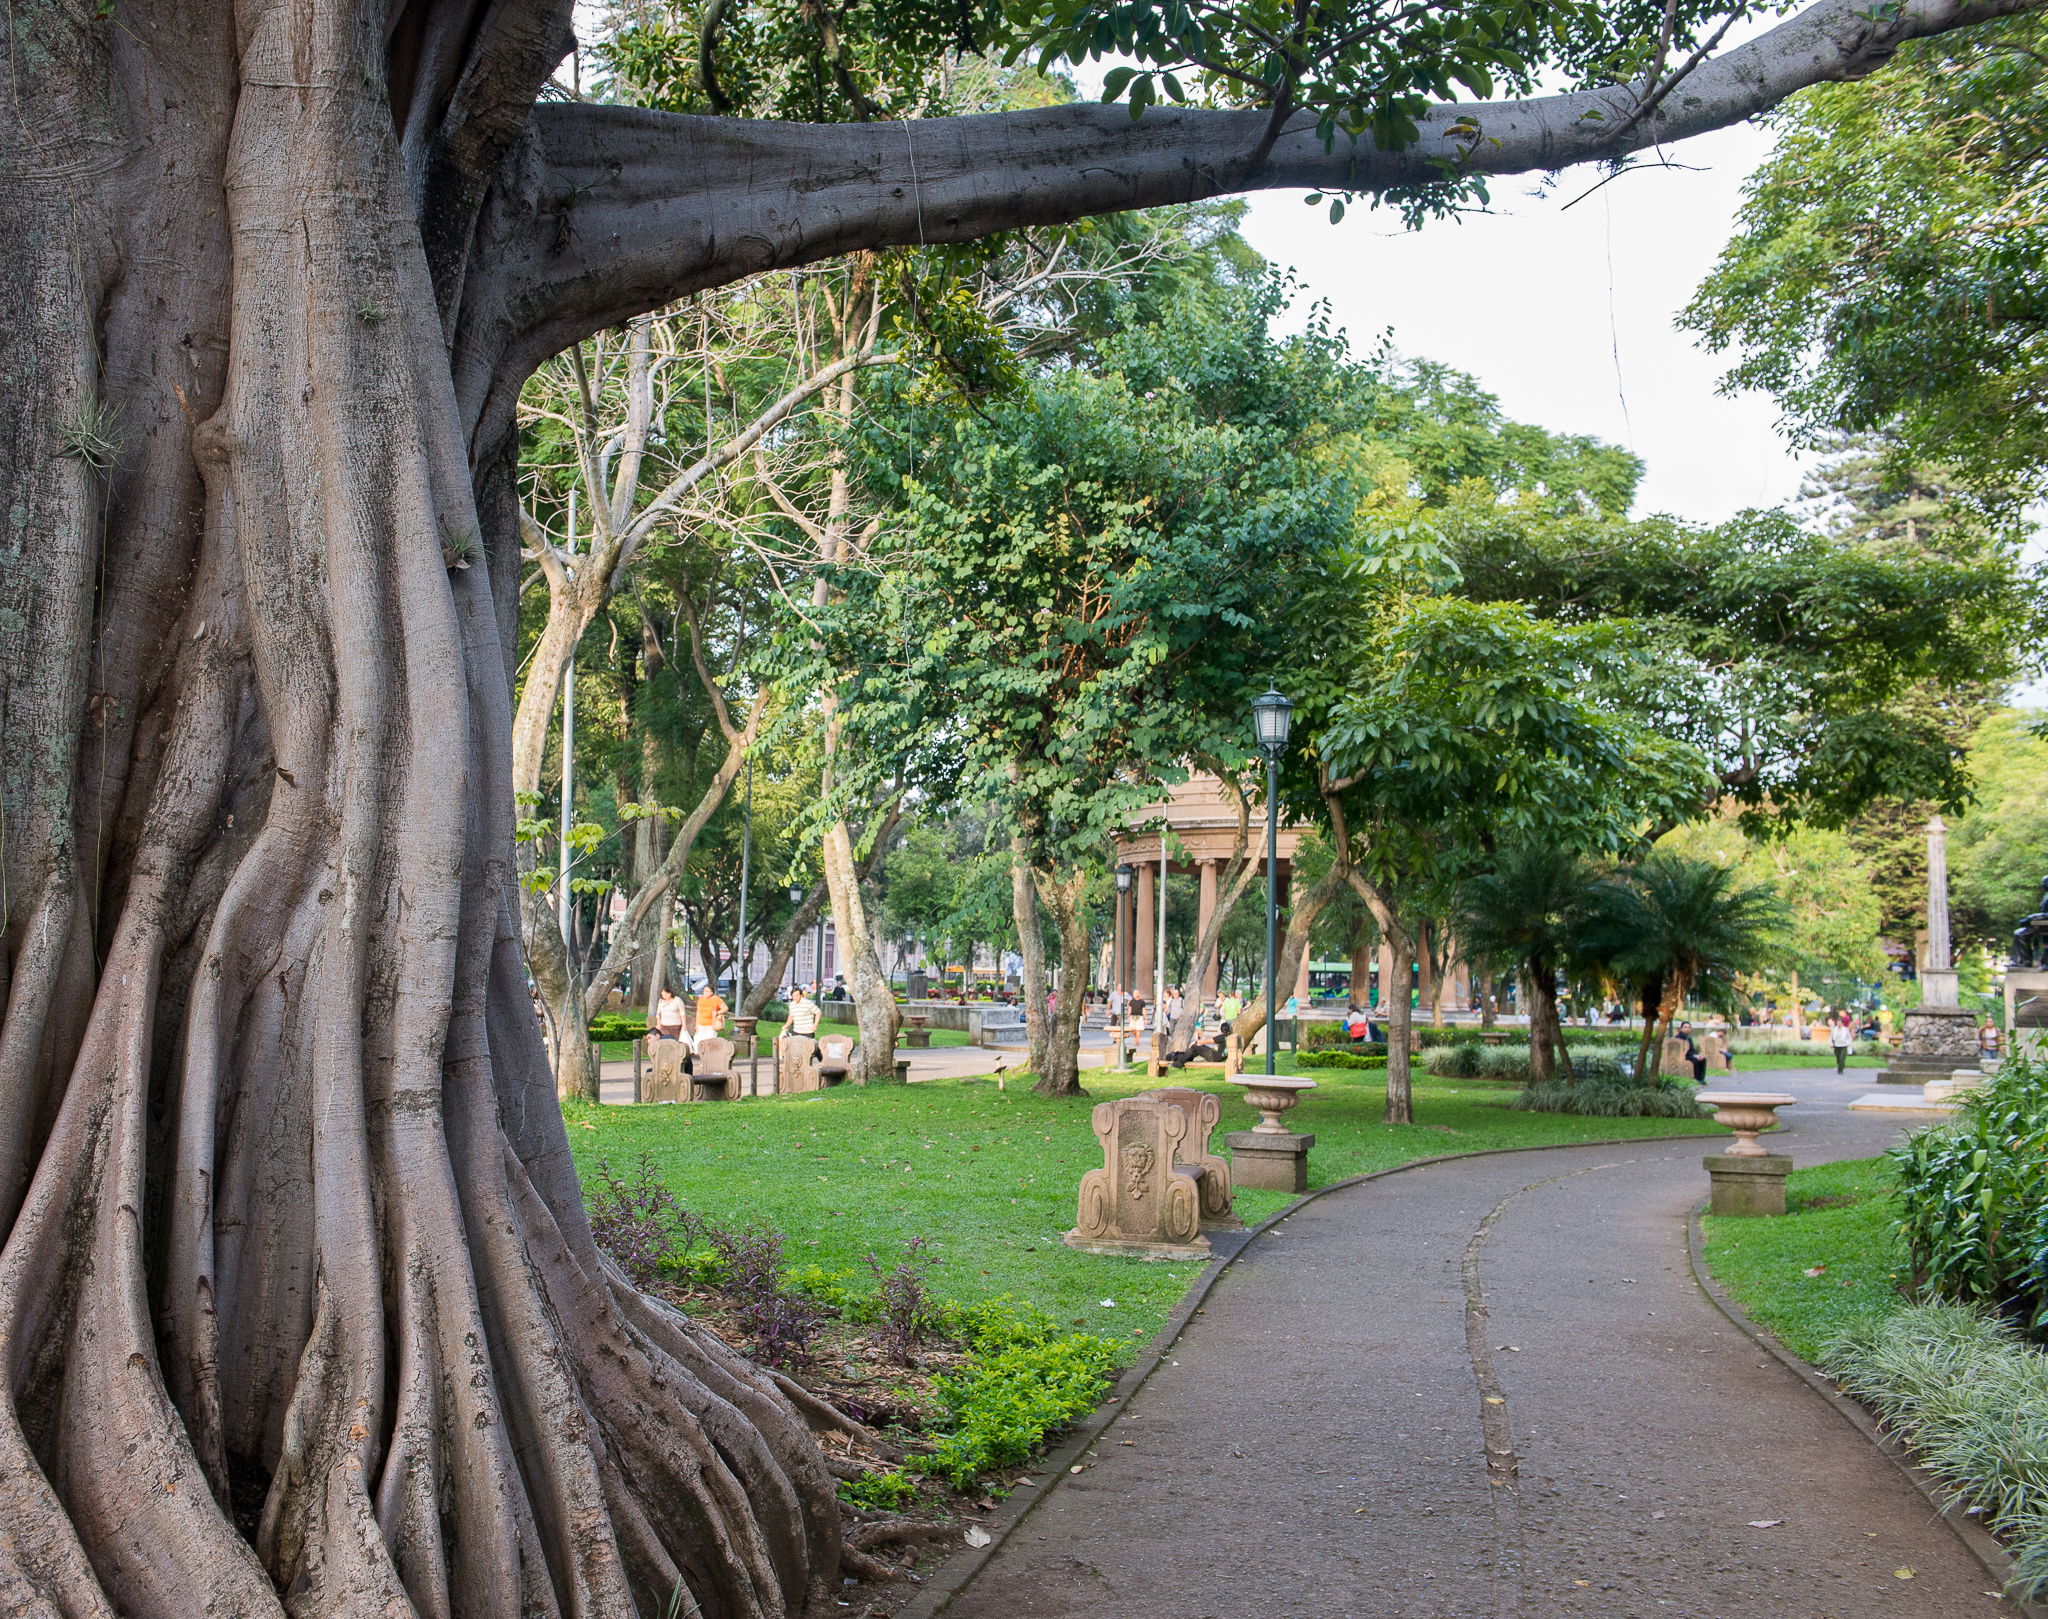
point(1033, 978)
point(290, 1218)
point(1063, 894)
point(1380, 901)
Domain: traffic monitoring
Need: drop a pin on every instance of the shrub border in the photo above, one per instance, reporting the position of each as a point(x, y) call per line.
point(1986, 1547)
point(952, 1575)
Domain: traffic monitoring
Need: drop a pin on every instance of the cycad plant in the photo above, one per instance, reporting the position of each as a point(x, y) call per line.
point(1676, 928)
point(1528, 913)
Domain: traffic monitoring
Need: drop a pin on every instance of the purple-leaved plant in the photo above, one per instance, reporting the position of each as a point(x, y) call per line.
point(781, 1323)
point(637, 1220)
point(908, 1312)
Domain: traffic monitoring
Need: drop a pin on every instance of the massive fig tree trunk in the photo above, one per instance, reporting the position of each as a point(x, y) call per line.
point(299, 1310)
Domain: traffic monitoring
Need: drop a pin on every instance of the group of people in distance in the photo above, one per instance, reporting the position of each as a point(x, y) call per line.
point(1212, 1022)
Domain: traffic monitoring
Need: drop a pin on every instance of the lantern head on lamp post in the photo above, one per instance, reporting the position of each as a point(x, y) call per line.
point(1272, 716)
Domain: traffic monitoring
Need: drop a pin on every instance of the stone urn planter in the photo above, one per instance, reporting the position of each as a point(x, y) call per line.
point(1746, 1113)
point(1272, 1095)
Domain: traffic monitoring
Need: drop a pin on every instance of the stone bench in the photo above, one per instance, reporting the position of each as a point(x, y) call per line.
point(999, 1030)
point(1194, 1159)
point(711, 1075)
point(1138, 1204)
point(795, 1071)
point(835, 1060)
point(666, 1082)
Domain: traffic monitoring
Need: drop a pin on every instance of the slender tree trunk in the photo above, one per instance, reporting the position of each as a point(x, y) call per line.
point(1650, 997)
point(1541, 978)
point(874, 1004)
point(1489, 1010)
point(1237, 877)
point(770, 986)
point(1400, 945)
point(1031, 949)
point(1064, 897)
point(1307, 905)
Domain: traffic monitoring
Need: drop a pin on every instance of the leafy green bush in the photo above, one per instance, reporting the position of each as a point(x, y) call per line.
point(1958, 1385)
point(1003, 1404)
point(1601, 1092)
point(1341, 1059)
point(894, 1488)
point(1975, 1196)
point(1474, 1061)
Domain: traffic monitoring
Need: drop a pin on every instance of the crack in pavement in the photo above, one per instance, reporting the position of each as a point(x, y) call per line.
point(1496, 1428)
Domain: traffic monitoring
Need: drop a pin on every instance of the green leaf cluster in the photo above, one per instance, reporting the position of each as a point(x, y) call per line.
point(1888, 270)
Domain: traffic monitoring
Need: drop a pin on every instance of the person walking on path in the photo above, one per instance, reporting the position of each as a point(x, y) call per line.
point(804, 1016)
point(711, 1010)
point(669, 1016)
point(1840, 1037)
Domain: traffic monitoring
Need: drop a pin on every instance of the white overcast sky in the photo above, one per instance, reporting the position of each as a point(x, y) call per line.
point(1567, 314)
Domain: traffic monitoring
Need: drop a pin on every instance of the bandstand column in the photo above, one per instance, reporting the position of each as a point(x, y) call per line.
point(1204, 914)
point(1142, 892)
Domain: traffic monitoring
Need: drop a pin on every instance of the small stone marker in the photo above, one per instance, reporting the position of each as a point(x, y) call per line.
point(1136, 1204)
point(1747, 1178)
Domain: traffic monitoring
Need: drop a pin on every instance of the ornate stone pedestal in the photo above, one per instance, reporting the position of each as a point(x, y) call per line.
point(1752, 1185)
point(1271, 1161)
point(1939, 1040)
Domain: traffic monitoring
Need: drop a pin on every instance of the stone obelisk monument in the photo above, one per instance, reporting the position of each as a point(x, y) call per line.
point(1940, 1035)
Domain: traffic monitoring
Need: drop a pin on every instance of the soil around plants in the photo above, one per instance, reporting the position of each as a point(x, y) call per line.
point(890, 1406)
point(1489, 1387)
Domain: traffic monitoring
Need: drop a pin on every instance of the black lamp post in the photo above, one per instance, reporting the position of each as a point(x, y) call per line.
point(1271, 714)
point(796, 901)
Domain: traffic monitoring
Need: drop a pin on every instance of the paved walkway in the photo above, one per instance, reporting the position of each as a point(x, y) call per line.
point(1489, 1388)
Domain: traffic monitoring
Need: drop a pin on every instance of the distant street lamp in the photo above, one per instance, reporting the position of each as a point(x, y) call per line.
point(1271, 715)
point(796, 900)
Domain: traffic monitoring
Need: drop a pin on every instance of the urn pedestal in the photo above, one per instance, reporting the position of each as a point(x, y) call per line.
point(1747, 1178)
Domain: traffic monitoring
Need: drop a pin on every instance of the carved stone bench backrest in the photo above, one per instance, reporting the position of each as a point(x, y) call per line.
point(1136, 1196)
point(714, 1058)
point(665, 1084)
point(795, 1070)
point(1205, 1112)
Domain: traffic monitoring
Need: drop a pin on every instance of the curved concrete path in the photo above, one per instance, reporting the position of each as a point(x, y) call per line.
point(1489, 1388)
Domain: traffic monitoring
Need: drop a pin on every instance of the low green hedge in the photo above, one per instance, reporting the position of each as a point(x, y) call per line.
point(1342, 1059)
point(1605, 1094)
point(609, 1026)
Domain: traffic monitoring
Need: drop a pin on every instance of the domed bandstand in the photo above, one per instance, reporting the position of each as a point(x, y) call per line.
point(1199, 834)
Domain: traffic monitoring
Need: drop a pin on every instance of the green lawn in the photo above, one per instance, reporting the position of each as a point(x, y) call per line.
point(1840, 1217)
point(990, 1177)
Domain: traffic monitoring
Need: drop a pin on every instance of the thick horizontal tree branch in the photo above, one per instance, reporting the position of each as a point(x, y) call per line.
point(627, 209)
